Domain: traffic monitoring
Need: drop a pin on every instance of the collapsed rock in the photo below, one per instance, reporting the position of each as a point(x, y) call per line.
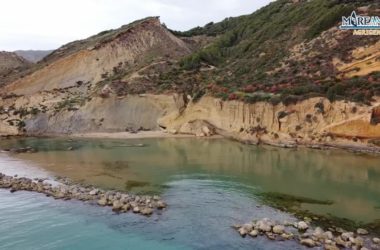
point(120, 202)
point(305, 235)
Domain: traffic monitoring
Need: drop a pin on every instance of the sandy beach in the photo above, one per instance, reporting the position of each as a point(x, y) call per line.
point(139, 135)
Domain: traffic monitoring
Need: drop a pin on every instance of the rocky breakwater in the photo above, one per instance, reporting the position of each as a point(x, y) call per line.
point(303, 233)
point(120, 202)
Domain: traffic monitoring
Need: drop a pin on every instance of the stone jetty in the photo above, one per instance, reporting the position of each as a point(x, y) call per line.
point(119, 201)
point(308, 236)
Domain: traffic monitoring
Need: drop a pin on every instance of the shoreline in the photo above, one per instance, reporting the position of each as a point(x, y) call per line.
point(128, 135)
point(348, 147)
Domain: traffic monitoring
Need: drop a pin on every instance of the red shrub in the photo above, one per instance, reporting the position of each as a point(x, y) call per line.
point(232, 97)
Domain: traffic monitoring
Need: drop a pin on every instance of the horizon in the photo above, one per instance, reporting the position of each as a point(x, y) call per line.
point(67, 24)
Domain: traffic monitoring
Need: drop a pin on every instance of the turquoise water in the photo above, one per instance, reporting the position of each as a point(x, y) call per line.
point(208, 184)
point(195, 220)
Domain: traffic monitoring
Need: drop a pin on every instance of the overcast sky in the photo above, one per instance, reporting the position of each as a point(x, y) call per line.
point(48, 24)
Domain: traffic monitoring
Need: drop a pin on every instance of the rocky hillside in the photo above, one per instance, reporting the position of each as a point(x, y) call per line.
point(284, 75)
point(285, 52)
point(33, 55)
point(11, 64)
point(100, 60)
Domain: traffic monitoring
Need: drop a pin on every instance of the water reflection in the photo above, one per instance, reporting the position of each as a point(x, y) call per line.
point(351, 181)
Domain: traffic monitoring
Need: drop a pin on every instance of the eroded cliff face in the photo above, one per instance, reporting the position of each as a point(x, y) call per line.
point(40, 115)
point(313, 121)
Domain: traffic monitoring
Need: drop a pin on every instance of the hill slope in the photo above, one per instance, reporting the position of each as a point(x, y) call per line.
point(11, 64)
point(115, 52)
point(33, 55)
point(286, 51)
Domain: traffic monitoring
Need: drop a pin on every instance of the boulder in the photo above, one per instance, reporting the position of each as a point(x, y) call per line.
point(242, 231)
point(331, 247)
point(102, 202)
point(117, 205)
point(346, 236)
point(264, 225)
point(254, 233)
point(302, 226)
point(270, 236)
point(146, 211)
point(340, 242)
point(362, 231)
point(126, 207)
point(136, 209)
point(318, 233)
point(94, 192)
point(328, 235)
point(248, 227)
point(161, 205)
point(308, 242)
point(287, 236)
point(278, 229)
point(358, 241)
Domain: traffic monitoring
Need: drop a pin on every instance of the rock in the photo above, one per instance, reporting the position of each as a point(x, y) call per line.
point(305, 235)
point(331, 247)
point(307, 219)
point(206, 131)
point(126, 207)
point(136, 209)
point(248, 227)
point(302, 226)
point(66, 190)
point(102, 202)
point(94, 192)
point(270, 235)
point(161, 205)
point(318, 232)
point(346, 236)
point(156, 197)
point(146, 211)
point(362, 231)
point(328, 235)
point(358, 241)
point(376, 240)
point(242, 231)
point(254, 233)
point(340, 242)
point(287, 236)
point(278, 229)
point(117, 205)
point(264, 225)
point(308, 242)
point(287, 223)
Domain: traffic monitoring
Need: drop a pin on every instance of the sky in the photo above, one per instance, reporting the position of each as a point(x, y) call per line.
point(48, 24)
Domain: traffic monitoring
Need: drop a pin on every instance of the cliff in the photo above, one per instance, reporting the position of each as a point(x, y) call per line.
point(230, 78)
